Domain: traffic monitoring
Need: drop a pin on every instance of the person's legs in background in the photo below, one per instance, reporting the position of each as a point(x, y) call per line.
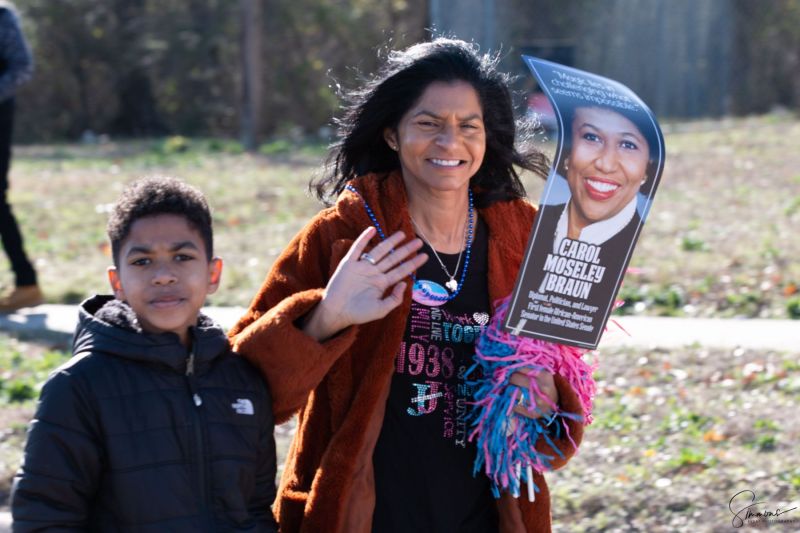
point(26, 292)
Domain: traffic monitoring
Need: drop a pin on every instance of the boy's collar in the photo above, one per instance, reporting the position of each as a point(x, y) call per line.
point(119, 314)
point(109, 326)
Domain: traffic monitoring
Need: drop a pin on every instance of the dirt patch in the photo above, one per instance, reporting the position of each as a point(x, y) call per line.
point(680, 433)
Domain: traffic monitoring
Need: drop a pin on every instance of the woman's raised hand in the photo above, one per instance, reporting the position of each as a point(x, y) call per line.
point(355, 292)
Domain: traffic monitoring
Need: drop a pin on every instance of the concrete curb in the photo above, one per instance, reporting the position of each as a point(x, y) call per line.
point(663, 332)
point(58, 322)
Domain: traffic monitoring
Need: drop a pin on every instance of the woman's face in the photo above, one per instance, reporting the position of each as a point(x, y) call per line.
point(606, 166)
point(441, 139)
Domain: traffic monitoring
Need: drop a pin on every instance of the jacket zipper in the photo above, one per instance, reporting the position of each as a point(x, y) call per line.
point(198, 430)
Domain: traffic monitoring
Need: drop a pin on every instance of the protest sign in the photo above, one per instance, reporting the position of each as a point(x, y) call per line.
point(608, 163)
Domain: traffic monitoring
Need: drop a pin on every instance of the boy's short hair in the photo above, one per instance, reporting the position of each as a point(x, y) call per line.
point(154, 196)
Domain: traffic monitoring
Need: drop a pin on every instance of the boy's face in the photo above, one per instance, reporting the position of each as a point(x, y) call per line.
point(164, 274)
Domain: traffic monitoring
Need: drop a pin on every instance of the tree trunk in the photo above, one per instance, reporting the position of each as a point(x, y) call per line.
point(250, 11)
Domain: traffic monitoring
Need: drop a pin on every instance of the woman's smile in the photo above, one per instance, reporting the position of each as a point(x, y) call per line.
point(446, 162)
point(600, 189)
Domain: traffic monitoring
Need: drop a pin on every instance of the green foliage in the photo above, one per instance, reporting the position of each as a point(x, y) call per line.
point(746, 303)
point(690, 243)
point(793, 307)
point(615, 417)
point(669, 299)
point(793, 207)
point(226, 146)
point(147, 67)
point(791, 366)
point(279, 146)
point(765, 438)
point(175, 145)
point(765, 424)
point(690, 457)
point(771, 251)
point(630, 296)
point(792, 476)
point(666, 300)
point(20, 391)
point(687, 422)
point(23, 372)
point(766, 30)
point(765, 443)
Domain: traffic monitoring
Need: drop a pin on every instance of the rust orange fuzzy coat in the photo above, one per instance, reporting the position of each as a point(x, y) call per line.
point(340, 387)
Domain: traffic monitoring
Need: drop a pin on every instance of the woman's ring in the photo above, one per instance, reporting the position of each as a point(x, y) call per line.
point(368, 258)
point(521, 401)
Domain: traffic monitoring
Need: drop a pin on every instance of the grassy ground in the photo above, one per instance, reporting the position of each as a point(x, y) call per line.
point(24, 365)
point(720, 240)
point(62, 196)
point(677, 433)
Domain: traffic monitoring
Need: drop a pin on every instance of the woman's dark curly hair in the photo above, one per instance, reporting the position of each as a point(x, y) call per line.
point(383, 100)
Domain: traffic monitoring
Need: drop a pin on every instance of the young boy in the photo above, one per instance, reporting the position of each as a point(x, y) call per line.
point(153, 425)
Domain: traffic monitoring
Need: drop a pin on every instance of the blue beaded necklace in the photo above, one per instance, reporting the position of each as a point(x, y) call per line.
point(417, 285)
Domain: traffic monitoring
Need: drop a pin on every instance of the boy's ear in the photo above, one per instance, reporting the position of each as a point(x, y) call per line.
point(116, 284)
point(214, 274)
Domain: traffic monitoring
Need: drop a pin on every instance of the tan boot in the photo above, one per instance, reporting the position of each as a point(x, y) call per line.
point(25, 296)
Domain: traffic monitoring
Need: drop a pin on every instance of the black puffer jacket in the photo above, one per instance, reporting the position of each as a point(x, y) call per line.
point(133, 434)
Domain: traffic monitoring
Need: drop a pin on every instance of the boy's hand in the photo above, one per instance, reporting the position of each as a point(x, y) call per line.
point(355, 292)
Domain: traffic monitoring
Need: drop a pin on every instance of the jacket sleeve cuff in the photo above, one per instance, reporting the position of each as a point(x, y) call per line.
point(292, 362)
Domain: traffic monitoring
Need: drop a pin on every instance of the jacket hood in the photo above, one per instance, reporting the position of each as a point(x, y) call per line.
point(109, 326)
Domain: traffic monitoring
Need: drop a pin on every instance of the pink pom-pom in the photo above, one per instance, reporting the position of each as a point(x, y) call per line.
point(507, 441)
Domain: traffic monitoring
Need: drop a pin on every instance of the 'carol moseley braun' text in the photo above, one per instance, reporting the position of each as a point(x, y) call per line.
point(573, 270)
point(569, 277)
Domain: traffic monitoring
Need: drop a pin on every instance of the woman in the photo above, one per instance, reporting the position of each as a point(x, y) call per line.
point(608, 162)
point(377, 365)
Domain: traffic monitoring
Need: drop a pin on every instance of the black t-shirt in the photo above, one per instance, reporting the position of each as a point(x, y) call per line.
point(423, 461)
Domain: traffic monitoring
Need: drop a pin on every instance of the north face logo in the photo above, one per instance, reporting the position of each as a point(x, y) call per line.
point(243, 406)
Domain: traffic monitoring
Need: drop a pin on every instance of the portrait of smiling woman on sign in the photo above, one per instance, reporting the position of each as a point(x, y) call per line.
point(607, 163)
